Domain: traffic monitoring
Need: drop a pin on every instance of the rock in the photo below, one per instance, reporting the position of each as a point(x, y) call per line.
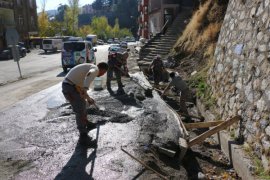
point(264, 123)
point(258, 149)
point(261, 104)
point(265, 163)
point(201, 176)
point(267, 130)
point(193, 73)
point(265, 143)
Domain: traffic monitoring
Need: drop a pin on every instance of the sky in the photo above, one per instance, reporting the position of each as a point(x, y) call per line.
point(53, 4)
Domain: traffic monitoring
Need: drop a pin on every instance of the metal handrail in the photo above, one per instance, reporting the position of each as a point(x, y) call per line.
point(162, 29)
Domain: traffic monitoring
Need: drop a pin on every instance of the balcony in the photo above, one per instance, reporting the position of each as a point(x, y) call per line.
point(6, 17)
point(170, 2)
point(6, 4)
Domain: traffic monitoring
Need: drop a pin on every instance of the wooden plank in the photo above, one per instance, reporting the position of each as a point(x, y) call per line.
point(202, 124)
point(203, 136)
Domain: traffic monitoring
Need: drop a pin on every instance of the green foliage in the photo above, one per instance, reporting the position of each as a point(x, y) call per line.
point(259, 169)
point(61, 12)
point(203, 90)
point(85, 30)
point(71, 17)
point(43, 24)
point(69, 25)
point(103, 30)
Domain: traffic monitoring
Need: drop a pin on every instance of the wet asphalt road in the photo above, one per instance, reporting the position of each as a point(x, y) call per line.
point(39, 137)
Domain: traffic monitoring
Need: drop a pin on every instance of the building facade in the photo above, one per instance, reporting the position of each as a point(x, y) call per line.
point(87, 9)
point(154, 14)
point(25, 16)
point(6, 19)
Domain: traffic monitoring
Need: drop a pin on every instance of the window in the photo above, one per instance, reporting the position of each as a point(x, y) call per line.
point(20, 19)
point(74, 46)
point(47, 41)
point(32, 20)
point(1, 19)
point(31, 3)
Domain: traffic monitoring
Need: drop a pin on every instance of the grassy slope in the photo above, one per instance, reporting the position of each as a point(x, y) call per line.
point(194, 50)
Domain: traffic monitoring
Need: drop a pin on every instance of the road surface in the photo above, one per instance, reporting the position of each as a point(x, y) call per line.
point(38, 136)
point(39, 71)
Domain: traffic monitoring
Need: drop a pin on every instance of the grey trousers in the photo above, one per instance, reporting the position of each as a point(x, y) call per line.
point(78, 105)
point(117, 73)
point(184, 96)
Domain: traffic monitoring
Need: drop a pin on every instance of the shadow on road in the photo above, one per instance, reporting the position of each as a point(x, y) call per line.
point(76, 166)
point(61, 74)
point(49, 53)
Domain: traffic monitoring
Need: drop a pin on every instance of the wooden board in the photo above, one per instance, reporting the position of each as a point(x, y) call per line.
point(202, 124)
point(199, 139)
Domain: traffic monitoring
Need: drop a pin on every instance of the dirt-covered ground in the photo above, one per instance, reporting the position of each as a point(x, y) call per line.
point(39, 139)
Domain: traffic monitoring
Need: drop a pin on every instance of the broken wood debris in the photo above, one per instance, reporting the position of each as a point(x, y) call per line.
point(146, 166)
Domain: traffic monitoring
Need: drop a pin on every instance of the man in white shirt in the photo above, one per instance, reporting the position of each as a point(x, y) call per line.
point(75, 86)
point(181, 87)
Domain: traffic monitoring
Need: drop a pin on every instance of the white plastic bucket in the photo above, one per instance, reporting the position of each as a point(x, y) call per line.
point(98, 84)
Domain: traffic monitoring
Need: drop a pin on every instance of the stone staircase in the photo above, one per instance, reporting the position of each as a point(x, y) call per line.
point(161, 44)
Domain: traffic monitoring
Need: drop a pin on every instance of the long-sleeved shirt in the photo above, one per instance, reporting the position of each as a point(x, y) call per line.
point(83, 75)
point(178, 83)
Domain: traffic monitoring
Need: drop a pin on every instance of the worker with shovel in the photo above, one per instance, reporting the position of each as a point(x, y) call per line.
point(74, 87)
point(117, 62)
point(182, 88)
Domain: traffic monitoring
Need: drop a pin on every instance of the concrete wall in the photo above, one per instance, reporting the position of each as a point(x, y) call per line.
point(240, 75)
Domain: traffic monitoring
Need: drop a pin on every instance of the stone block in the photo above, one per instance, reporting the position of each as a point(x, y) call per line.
point(265, 163)
point(261, 105)
point(267, 130)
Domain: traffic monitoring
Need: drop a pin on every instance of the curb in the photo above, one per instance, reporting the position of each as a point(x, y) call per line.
point(235, 153)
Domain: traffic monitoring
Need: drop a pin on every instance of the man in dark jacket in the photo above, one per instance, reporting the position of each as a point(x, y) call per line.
point(157, 69)
point(182, 88)
point(117, 62)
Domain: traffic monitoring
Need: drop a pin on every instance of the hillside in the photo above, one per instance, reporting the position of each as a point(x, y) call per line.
point(200, 36)
point(195, 48)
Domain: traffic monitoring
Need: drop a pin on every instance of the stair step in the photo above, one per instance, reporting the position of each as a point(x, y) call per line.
point(162, 44)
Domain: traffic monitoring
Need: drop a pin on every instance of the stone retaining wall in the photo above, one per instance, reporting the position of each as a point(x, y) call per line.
point(240, 75)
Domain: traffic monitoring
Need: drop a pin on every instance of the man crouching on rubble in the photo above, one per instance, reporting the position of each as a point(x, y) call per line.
point(74, 87)
point(181, 87)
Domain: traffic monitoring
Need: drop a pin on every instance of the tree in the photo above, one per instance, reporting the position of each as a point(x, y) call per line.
point(104, 31)
point(61, 12)
point(43, 22)
point(71, 16)
point(100, 27)
point(116, 29)
point(97, 4)
point(85, 30)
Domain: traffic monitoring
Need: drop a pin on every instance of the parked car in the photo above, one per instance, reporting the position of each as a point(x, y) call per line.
point(7, 52)
point(110, 41)
point(77, 52)
point(114, 48)
point(92, 38)
point(100, 42)
point(124, 44)
point(22, 44)
point(52, 45)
